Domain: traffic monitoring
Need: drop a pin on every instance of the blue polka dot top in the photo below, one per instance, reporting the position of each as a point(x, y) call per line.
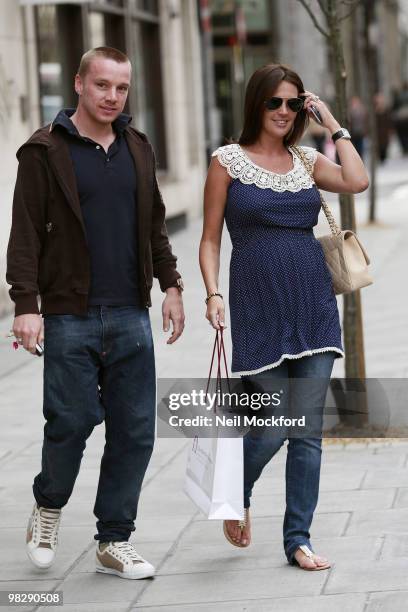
point(282, 303)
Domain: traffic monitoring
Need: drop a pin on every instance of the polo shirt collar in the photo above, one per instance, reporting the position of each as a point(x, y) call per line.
point(63, 119)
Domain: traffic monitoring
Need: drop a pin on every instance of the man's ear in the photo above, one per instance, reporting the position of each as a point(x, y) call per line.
point(78, 84)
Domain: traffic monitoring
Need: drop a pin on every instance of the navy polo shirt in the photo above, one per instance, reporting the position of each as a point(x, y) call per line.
point(106, 184)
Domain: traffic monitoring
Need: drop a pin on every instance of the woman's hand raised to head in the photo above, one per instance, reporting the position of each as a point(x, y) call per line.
point(350, 176)
point(328, 121)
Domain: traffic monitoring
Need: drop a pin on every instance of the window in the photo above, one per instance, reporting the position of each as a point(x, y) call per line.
point(49, 68)
point(60, 46)
point(97, 30)
point(150, 6)
point(147, 81)
point(114, 3)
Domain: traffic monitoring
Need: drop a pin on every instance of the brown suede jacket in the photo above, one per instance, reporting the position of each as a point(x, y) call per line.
point(47, 253)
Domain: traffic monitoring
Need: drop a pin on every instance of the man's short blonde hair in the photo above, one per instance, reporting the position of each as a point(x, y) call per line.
point(106, 52)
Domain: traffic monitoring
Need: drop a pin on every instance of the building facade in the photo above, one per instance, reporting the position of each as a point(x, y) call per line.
point(249, 33)
point(387, 41)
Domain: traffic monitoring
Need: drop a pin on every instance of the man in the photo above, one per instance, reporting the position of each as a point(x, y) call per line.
point(88, 234)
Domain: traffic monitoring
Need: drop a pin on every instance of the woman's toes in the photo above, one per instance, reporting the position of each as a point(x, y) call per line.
point(245, 536)
point(304, 561)
point(234, 531)
point(308, 562)
point(320, 560)
point(238, 533)
point(311, 563)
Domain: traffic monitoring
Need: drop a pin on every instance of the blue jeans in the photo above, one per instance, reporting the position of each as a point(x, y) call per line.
point(304, 454)
point(98, 367)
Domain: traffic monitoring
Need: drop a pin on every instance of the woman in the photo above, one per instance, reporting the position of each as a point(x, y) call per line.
point(284, 317)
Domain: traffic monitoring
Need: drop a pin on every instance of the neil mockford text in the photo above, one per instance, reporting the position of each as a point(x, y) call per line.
point(237, 420)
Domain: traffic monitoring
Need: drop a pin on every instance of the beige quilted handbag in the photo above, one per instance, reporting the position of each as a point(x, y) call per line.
point(345, 256)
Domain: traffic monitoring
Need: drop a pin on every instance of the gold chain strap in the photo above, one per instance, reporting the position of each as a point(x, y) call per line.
point(335, 229)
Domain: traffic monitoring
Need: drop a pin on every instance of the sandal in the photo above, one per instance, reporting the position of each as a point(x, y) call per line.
point(241, 524)
point(309, 553)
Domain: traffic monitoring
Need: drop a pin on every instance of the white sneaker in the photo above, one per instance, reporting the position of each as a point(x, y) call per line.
point(42, 535)
point(121, 558)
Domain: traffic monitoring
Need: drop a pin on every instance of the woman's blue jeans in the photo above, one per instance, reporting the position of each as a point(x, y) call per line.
point(98, 367)
point(301, 396)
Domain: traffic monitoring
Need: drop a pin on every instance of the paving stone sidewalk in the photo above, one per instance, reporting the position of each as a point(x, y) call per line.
point(360, 523)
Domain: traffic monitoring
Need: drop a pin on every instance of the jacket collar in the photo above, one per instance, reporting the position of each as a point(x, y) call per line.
point(48, 137)
point(63, 119)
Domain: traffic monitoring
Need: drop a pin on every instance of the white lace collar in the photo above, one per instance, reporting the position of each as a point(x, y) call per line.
point(239, 166)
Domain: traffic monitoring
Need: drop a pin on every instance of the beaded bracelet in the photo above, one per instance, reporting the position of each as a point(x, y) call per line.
point(207, 299)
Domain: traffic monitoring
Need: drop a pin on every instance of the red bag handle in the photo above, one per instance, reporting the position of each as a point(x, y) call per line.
point(220, 348)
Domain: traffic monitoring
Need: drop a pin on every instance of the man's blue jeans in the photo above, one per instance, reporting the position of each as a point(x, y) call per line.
point(99, 367)
point(303, 396)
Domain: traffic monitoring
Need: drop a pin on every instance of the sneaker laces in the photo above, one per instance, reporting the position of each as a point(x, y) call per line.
point(128, 550)
point(48, 521)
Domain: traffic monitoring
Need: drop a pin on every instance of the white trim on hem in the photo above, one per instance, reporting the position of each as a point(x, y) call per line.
point(326, 349)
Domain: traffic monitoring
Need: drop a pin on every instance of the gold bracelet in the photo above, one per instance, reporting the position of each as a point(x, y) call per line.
point(208, 298)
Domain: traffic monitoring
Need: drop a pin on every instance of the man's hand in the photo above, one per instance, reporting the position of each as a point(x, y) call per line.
point(28, 330)
point(173, 310)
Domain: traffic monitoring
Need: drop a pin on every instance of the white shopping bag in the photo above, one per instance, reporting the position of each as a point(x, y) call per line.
point(215, 477)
